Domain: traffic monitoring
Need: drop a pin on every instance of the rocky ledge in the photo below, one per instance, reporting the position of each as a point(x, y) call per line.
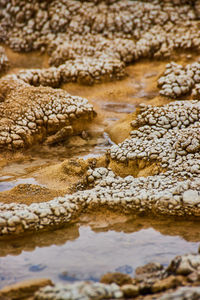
point(91, 41)
point(30, 115)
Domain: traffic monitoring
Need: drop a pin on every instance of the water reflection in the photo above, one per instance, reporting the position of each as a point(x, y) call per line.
point(8, 185)
point(87, 251)
point(119, 107)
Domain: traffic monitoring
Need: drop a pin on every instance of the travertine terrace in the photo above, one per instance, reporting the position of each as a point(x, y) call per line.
point(155, 170)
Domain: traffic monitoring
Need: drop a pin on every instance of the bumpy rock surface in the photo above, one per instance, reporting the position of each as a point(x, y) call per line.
point(90, 41)
point(160, 163)
point(4, 62)
point(178, 80)
point(30, 114)
point(82, 290)
point(185, 264)
point(183, 293)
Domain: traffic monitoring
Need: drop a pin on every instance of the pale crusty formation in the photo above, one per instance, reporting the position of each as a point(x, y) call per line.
point(80, 290)
point(91, 41)
point(166, 143)
point(178, 80)
point(29, 115)
point(4, 62)
point(84, 70)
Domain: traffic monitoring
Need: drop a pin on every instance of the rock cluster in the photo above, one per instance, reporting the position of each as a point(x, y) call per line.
point(178, 80)
point(80, 290)
point(168, 135)
point(185, 265)
point(183, 293)
point(15, 218)
point(163, 156)
point(28, 26)
point(172, 282)
point(84, 70)
point(90, 41)
point(4, 62)
point(30, 114)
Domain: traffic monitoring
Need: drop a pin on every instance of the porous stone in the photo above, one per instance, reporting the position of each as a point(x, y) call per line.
point(91, 41)
point(183, 293)
point(23, 103)
point(191, 197)
point(80, 290)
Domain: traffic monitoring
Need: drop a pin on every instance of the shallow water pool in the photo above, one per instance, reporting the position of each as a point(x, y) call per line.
point(82, 252)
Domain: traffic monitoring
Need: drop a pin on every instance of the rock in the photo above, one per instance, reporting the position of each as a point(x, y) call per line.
point(80, 290)
point(13, 221)
point(165, 284)
point(24, 102)
point(3, 222)
point(118, 278)
point(191, 197)
point(130, 290)
point(23, 289)
point(184, 265)
point(147, 270)
point(183, 293)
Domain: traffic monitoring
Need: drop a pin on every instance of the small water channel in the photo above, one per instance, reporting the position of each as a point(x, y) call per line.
point(86, 252)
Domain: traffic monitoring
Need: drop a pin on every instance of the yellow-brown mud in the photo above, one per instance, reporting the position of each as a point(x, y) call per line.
point(68, 174)
point(136, 168)
point(29, 193)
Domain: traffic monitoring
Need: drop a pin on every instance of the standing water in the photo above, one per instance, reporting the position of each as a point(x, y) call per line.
point(86, 252)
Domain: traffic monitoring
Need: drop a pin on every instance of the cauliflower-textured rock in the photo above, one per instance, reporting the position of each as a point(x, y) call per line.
point(155, 170)
point(178, 80)
point(29, 114)
point(91, 41)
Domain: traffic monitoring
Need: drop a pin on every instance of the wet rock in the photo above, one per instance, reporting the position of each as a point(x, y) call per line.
point(147, 275)
point(185, 264)
point(194, 277)
point(23, 289)
point(170, 282)
point(118, 278)
point(130, 290)
point(85, 290)
point(183, 293)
